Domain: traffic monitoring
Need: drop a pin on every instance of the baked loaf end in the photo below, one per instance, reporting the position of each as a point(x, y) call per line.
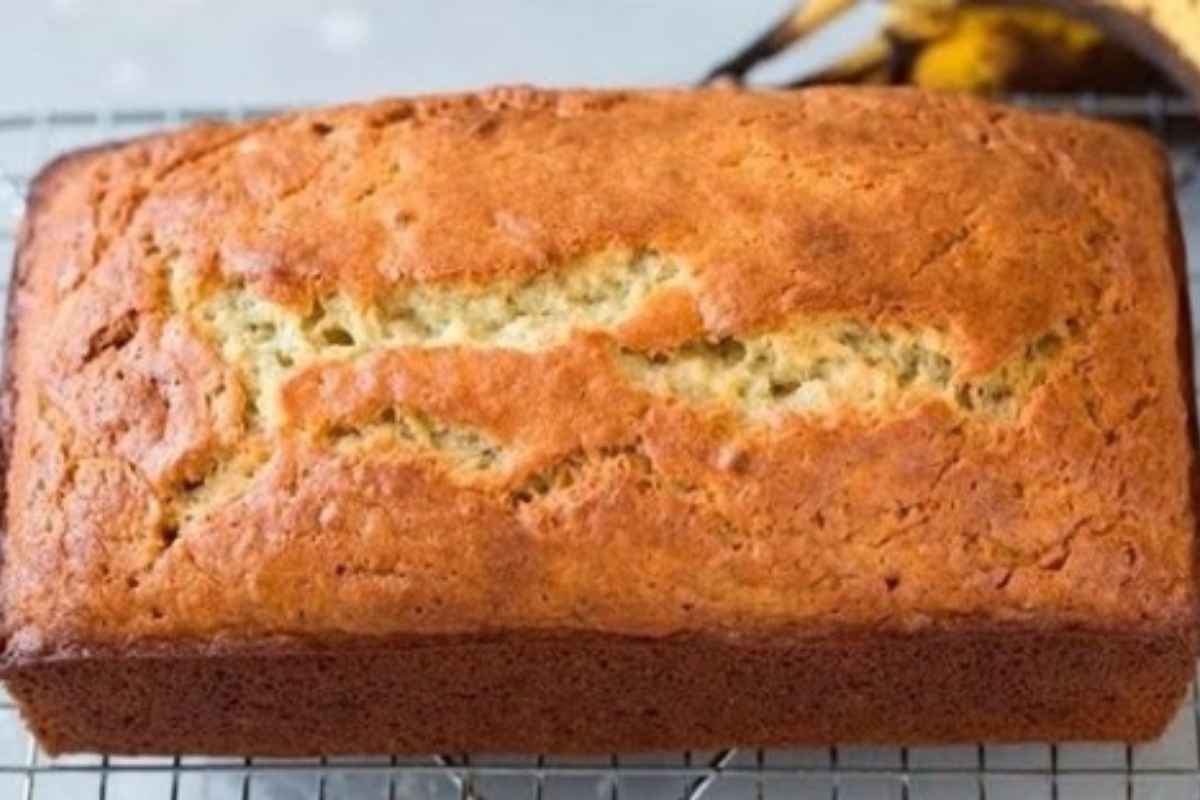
point(826, 387)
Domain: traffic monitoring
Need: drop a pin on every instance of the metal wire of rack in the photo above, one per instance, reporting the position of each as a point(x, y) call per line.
point(1167, 769)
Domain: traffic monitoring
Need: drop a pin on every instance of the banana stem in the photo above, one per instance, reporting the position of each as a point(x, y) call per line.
point(805, 18)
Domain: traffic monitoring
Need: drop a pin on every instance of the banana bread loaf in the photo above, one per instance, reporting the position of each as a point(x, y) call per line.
point(584, 421)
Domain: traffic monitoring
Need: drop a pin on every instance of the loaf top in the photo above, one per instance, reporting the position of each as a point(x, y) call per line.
point(754, 365)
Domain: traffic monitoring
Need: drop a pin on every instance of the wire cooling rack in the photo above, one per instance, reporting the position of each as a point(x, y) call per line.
point(1168, 769)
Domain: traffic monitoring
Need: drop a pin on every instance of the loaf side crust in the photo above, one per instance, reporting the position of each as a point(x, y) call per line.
point(603, 693)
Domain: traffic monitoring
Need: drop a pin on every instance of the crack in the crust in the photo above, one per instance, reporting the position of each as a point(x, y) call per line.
point(829, 368)
point(1055, 556)
point(633, 461)
point(1093, 404)
point(567, 470)
point(944, 250)
point(381, 573)
point(950, 463)
point(268, 344)
point(203, 153)
point(229, 474)
point(302, 185)
point(556, 482)
point(96, 201)
point(950, 245)
point(812, 367)
point(114, 335)
point(223, 477)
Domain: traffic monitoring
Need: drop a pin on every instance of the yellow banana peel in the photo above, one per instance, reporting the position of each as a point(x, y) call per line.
point(987, 47)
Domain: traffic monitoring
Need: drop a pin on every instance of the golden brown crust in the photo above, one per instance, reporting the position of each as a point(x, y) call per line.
point(431, 488)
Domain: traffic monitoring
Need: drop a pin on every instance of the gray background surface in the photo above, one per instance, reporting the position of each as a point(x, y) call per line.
point(210, 53)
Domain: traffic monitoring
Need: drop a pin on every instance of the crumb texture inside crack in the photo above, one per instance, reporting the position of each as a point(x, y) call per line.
point(814, 367)
point(269, 343)
point(821, 368)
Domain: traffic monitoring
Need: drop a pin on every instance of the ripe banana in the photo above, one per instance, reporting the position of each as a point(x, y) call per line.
point(984, 47)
